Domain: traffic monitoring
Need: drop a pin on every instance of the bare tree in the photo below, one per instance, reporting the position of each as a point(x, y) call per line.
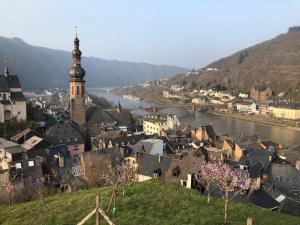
point(97, 170)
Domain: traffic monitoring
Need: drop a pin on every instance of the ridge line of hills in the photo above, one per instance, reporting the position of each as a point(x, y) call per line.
point(40, 67)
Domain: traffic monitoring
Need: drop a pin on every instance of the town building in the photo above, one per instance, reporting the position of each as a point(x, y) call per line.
point(66, 134)
point(289, 111)
point(77, 88)
point(9, 152)
point(243, 95)
point(170, 94)
point(246, 107)
point(261, 92)
point(200, 100)
point(12, 100)
point(155, 124)
point(205, 133)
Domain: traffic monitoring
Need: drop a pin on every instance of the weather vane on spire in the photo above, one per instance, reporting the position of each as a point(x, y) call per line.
point(76, 30)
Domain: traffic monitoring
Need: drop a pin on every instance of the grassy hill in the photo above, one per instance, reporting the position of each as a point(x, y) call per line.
point(277, 61)
point(152, 202)
point(40, 67)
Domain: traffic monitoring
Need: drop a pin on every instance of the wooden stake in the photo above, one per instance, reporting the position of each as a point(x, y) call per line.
point(97, 210)
point(249, 221)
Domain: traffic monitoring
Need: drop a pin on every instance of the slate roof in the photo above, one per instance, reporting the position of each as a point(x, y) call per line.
point(4, 143)
point(261, 199)
point(291, 155)
point(148, 164)
point(49, 152)
point(15, 149)
point(3, 84)
point(255, 156)
point(286, 105)
point(17, 96)
point(64, 133)
point(117, 138)
point(13, 81)
point(291, 207)
point(24, 135)
point(286, 178)
point(256, 170)
point(96, 114)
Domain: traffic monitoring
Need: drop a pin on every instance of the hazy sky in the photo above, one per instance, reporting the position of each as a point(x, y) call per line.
point(188, 33)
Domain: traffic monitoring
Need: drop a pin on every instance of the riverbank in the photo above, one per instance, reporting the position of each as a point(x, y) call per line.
point(155, 97)
point(265, 121)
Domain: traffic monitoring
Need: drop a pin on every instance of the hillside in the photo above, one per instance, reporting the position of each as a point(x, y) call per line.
point(152, 202)
point(277, 61)
point(40, 67)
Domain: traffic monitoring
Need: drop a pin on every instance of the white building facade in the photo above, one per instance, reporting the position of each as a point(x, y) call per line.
point(12, 100)
point(155, 124)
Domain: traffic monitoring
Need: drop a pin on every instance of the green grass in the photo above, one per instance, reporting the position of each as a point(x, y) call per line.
point(151, 202)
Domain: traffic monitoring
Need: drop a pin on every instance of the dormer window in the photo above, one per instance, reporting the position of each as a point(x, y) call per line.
point(157, 173)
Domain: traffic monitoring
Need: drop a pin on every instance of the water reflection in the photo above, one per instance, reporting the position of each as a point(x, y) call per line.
point(222, 125)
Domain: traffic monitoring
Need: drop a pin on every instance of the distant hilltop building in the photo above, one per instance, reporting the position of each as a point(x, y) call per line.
point(294, 29)
point(261, 92)
point(12, 100)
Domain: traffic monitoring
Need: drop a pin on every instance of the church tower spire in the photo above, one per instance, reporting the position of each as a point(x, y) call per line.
point(77, 87)
point(6, 72)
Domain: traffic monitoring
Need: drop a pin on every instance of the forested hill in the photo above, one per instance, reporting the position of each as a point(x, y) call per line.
point(277, 61)
point(40, 67)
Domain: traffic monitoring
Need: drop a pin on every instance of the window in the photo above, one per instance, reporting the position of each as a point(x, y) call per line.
point(82, 91)
point(76, 147)
point(4, 96)
point(18, 166)
point(31, 163)
point(77, 90)
point(176, 171)
point(72, 90)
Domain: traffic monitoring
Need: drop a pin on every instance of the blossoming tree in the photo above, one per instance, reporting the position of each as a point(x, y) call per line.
point(230, 181)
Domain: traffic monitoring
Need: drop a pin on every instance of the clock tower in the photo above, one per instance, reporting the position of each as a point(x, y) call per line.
point(77, 88)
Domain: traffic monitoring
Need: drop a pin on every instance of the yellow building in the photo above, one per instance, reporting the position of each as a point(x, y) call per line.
point(290, 111)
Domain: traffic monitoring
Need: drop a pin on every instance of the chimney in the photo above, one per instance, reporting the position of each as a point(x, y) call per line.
point(61, 161)
point(297, 164)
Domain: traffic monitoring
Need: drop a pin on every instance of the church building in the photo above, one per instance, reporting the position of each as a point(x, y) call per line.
point(77, 88)
point(12, 100)
point(261, 92)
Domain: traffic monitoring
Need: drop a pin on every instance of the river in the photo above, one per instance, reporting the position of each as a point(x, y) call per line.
point(222, 125)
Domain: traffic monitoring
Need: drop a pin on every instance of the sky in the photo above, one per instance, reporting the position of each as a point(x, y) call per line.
point(186, 33)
